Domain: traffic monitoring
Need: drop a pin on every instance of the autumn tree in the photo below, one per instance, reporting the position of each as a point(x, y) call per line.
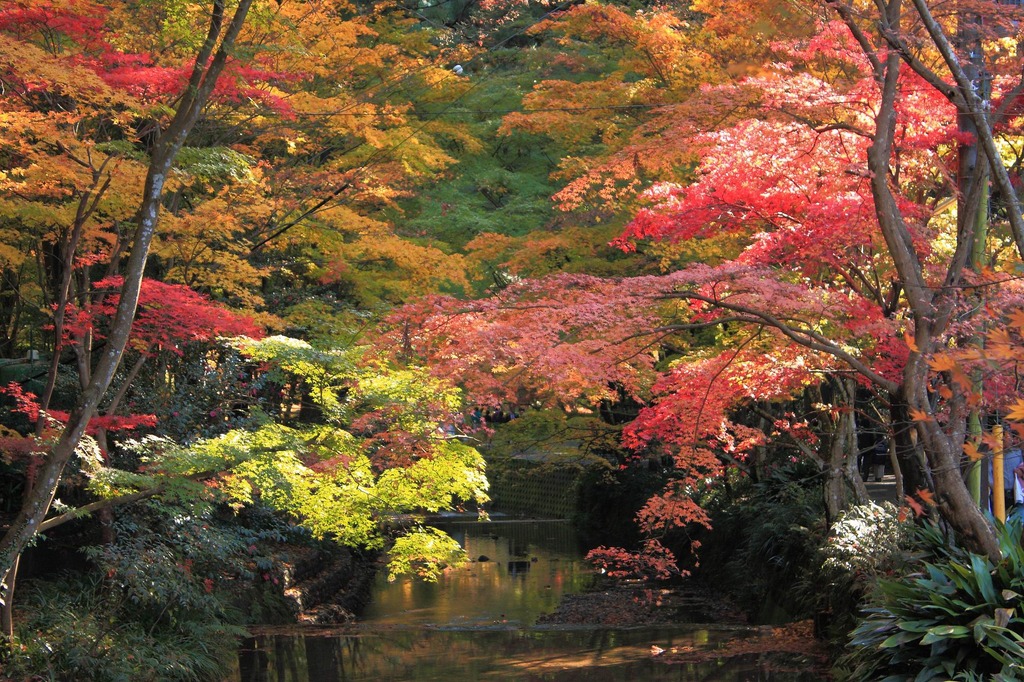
point(274, 152)
point(223, 28)
point(376, 451)
point(933, 309)
point(829, 215)
point(926, 281)
point(353, 145)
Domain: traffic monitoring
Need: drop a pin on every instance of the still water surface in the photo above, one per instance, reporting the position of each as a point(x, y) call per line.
point(478, 623)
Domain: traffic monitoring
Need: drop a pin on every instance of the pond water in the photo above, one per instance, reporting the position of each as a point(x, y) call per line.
point(478, 623)
point(518, 570)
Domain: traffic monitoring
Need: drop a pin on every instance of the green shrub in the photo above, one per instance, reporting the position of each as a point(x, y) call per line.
point(958, 617)
point(868, 542)
point(77, 629)
point(165, 601)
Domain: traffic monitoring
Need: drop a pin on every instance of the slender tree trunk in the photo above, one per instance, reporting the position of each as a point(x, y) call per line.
point(10, 310)
point(87, 205)
point(122, 391)
point(851, 473)
point(836, 500)
point(843, 484)
point(897, 469)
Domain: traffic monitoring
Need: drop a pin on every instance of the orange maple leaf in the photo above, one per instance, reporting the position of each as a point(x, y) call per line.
point(920, 415)
point(913, 504)
point(911, 344)
point(1004, 351)
point(991, 441)
point(1017, 319)
point(972, 451)
point(1016, 412)
point(942, 362)
point(961, 379)
point(999, 336)
point(926, 496)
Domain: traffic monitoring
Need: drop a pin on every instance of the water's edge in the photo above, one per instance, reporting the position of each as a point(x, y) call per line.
point(479, 622)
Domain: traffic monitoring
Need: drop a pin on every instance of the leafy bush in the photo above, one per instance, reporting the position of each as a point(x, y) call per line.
point(165, 602)
point(424, 552)
point(76, 629)
point(956, 618)
point(868, 542)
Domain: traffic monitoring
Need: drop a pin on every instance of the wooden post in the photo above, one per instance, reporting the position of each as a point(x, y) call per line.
point(998, 492)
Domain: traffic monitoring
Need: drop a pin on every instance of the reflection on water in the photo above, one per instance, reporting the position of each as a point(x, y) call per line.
point(476, 624)
point(512, 654)
point(518, 571)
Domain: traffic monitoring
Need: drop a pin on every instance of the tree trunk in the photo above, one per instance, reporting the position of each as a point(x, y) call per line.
point(65, 268)
point(836, 500)
point(843, 484)
point(908, 453)
point(10, 310)
point(122, 391)
point(931, 307)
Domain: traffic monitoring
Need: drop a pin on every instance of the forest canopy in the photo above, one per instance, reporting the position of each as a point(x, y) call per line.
point(286, 255)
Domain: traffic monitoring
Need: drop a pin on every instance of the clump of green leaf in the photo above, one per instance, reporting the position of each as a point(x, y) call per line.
point(72, 629)
point(958, 617)
point(377, 451)
point(764, 551)
point(867, 541)
point(214, 164)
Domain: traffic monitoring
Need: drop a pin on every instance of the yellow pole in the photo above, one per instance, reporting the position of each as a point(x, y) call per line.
point(998, 493)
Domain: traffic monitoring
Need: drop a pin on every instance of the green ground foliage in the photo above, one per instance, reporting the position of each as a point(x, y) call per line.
point(955, 615)
point(165, 600)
